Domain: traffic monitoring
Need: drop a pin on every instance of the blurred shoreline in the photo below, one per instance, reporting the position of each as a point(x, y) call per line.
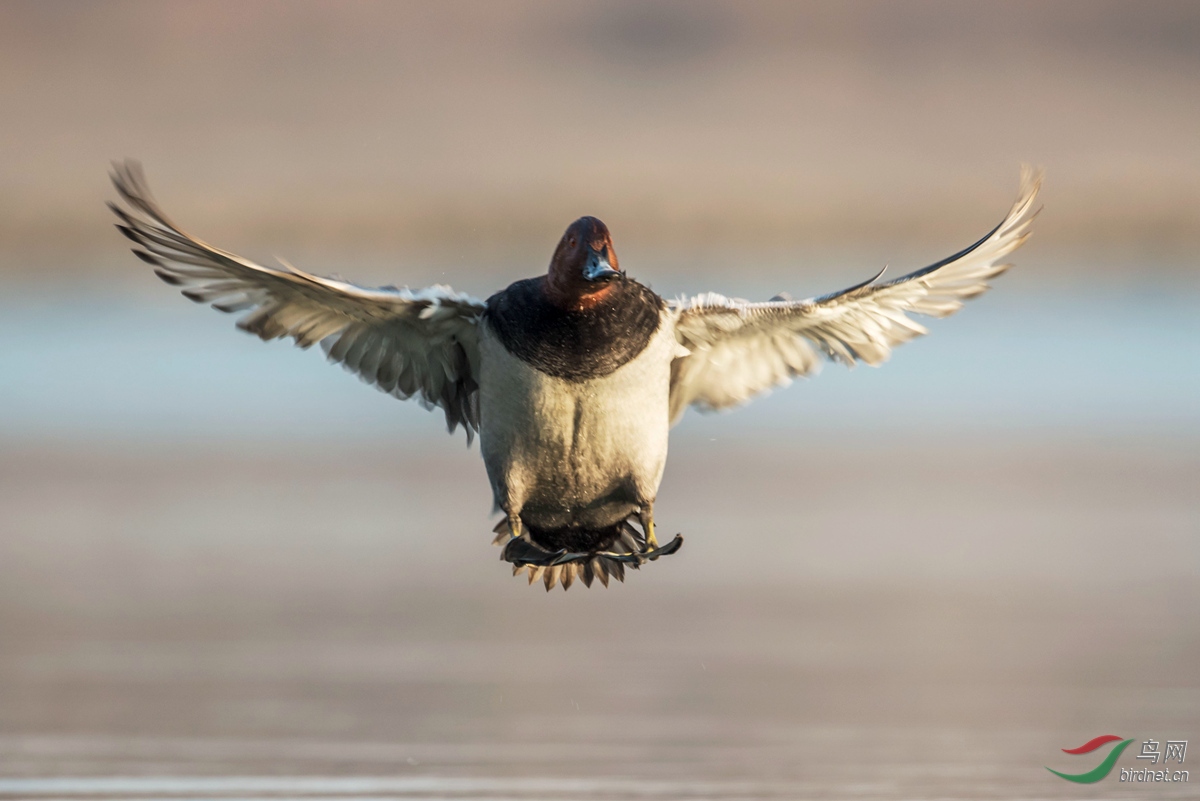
point(1075, 237)
point(406, 131)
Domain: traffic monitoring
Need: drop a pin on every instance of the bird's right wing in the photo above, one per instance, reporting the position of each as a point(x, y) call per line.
point(405, 342)
point(737, 349)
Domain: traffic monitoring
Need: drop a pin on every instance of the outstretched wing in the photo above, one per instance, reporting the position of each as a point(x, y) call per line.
point(407, 343)
point(738, 349)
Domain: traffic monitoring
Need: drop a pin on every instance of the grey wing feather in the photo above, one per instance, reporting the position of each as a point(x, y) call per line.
point(738, 349)
point(408, 343)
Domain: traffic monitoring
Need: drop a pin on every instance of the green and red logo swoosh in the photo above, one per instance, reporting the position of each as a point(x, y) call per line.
point(1104, 768)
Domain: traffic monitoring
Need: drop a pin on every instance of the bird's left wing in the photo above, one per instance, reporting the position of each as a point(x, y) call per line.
point(405, 342)
point(738, 349)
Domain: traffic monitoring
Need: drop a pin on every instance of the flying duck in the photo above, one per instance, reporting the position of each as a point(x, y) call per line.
point(571, 379)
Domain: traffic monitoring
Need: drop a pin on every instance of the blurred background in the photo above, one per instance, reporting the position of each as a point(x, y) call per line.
point(229, 570)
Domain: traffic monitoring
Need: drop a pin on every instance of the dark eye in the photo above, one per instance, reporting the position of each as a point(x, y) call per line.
point(571, 242)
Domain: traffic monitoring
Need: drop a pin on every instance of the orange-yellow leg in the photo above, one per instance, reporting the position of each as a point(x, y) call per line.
point(646, 518)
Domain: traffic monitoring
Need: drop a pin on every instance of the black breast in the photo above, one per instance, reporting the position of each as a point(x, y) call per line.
point(574, 345)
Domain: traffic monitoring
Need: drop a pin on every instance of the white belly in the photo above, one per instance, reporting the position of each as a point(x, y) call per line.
point(564, 453)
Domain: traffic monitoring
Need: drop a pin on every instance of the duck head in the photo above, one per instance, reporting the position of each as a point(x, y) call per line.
point(584, 270)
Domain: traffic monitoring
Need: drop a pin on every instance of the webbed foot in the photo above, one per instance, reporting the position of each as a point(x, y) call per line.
point(564, 566)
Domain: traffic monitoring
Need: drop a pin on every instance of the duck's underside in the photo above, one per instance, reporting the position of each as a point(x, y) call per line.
point(563, 555)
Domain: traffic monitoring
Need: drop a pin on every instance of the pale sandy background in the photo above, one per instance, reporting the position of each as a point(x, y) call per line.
point(229, 571)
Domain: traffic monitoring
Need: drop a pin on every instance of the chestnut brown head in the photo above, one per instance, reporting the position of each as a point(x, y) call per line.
point(584, 268)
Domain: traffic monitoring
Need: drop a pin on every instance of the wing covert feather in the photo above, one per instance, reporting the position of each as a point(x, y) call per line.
point(738, 349)
point(421, 343)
